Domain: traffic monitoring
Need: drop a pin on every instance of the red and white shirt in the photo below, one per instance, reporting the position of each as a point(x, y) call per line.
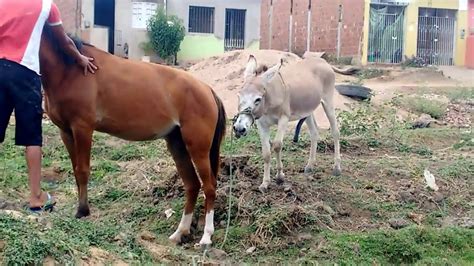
point(21, 26)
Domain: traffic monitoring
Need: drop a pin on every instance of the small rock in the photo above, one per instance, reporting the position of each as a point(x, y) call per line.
point(423, 121)
point(223, 222)
point(287, 189)
point(397, 223)
point(148, 236)
point(304, 236)
point(217, 254)
point(417, 218)
point(438, 197)
point(120, 237)
point(250, 250)
point(344, 212)
point(406, 197)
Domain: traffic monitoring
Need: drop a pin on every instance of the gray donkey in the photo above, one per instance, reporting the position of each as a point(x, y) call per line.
point(278, 96)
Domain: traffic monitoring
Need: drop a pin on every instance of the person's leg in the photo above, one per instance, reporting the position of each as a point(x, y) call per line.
point(27, 98)
point(6, 105)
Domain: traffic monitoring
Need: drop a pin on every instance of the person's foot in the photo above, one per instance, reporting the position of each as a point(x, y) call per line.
point(42, 201)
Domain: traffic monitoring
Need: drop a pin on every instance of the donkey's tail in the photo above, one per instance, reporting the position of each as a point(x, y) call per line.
point(219, 134)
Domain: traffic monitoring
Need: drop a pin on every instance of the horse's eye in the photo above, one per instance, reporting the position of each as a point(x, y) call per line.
point(258, 101)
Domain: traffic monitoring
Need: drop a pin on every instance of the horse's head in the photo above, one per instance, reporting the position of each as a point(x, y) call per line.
point(252, 96)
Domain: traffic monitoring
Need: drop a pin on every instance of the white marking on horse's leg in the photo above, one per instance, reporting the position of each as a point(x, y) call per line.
point(208, 229)
point(184, 228)
point(313, 131)
point(277, 146)
point(264, 133)
point(331, 114)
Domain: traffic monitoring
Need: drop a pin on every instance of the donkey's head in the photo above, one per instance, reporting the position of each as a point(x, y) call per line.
point(253, 95)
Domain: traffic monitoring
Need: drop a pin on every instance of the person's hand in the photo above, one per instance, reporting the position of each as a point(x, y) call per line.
point(86, 63)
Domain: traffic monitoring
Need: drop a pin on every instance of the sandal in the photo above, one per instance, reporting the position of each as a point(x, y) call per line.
point(48, 205)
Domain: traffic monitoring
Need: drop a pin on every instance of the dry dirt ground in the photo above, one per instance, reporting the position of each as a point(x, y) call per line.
point(378, 212)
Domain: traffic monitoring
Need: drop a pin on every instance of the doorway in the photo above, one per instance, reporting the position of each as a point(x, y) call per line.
point(104, 15)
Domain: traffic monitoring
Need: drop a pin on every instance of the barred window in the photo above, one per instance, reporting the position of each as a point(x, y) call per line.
point(201, 19)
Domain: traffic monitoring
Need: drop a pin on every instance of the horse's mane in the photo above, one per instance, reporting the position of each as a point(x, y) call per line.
point(67, 59)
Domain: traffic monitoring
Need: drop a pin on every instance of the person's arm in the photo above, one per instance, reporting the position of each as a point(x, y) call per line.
point(54, 21)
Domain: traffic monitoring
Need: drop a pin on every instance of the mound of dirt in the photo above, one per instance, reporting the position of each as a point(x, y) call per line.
point(224, 74)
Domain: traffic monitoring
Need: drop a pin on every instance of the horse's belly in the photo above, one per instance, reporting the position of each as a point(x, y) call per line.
point(137, 132)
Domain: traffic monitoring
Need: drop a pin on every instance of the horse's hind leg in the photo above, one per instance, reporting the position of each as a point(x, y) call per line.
point(199, 150)
point(313, 131)
point(331, 114)
point(191, 182)
point(82, 149)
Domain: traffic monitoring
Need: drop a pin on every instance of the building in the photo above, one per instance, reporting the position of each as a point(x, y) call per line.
point(470, 36)
point(70, 14)
point(216, 26)
point(333, 26)
point(434, 30)
point(212, 26)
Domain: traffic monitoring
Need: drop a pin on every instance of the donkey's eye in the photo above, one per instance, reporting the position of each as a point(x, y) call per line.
point(258, 101)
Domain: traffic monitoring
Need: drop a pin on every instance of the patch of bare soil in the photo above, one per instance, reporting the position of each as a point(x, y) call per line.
point(374, 197)
point(460, 114)
point(100, 257)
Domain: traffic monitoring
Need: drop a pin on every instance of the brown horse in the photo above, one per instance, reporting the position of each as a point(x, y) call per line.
point(136, 101)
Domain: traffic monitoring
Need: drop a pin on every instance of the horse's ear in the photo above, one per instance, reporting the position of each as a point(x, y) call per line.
point(251, 69)
point(270, 73)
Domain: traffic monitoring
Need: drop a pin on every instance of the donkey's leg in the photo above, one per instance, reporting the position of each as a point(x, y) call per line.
point(191, 182)
point(199, 150)
point(313, 131)
point(264, 132)
point(82, 146)
point(331, 114)
point(277, 146)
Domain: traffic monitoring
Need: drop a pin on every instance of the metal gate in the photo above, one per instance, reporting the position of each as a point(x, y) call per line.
point(386, 33)
point(436, 33)
point(234, 29)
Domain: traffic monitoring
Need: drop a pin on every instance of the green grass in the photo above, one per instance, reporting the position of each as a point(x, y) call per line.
point(127, 199)
point(434, 108)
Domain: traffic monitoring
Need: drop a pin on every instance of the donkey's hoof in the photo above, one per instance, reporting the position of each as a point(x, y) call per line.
point(175, 238)
point(280, 178)
point(263, 188)
point(82, 212)
point(308, 170)
point(336, 172)
point(202, 247)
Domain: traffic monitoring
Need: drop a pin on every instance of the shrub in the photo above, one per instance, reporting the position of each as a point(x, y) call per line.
point(166, 34)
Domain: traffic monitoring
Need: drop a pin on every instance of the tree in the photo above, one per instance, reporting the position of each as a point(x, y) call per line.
point(166, 34)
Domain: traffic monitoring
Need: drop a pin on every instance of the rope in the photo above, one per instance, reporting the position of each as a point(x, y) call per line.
point(229, 199)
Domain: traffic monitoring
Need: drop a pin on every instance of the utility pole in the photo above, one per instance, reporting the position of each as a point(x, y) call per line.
point(308, 34)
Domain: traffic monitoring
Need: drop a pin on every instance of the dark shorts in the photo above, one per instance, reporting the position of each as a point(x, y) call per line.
point(20, 90)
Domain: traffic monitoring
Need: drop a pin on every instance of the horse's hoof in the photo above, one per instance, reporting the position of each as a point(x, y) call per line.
point(280, 178)
point(336, 172)
point(82, 212)
point(263, 188)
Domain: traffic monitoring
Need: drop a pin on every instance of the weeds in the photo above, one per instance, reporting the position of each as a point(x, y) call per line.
point(434, 108)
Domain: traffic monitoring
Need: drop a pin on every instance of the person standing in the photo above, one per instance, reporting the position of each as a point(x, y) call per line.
point(21, 27)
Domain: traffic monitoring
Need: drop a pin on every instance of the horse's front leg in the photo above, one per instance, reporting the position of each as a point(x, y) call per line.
point(264, 132)
point(277, 146)
point(82, 148)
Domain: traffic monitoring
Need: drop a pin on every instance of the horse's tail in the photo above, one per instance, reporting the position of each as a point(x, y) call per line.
point(219, 134)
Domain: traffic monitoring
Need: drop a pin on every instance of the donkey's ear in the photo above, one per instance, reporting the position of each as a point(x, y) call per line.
point(270, 73)
point(251, 69)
